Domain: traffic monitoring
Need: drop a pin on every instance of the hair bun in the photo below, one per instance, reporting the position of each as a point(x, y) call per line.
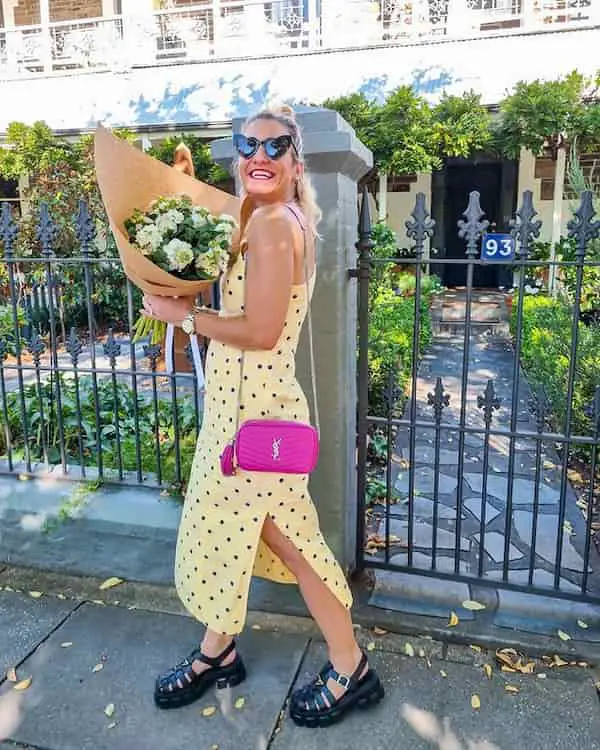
point(286, 111)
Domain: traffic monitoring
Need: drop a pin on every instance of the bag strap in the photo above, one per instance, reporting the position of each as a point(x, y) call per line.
point(311, 345)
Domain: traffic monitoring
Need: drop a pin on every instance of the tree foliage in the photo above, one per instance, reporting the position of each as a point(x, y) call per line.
point(407, 135)
point(541, 113)
point(205, 168)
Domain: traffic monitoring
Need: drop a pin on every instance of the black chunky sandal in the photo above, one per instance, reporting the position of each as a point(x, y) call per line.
point(182, 686)
point(314, 705)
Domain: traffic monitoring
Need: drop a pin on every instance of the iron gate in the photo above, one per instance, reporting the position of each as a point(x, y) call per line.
point(477, 407)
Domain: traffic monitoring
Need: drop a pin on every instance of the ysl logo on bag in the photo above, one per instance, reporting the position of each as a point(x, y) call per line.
point(276, 448)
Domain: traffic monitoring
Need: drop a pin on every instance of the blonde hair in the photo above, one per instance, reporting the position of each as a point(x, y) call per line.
point(305, 192)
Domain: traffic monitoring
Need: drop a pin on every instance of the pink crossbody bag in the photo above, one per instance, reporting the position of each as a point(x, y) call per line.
point(276, 446)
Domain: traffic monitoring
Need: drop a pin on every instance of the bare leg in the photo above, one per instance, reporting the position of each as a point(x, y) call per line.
point(213, 644)
point(329, 613)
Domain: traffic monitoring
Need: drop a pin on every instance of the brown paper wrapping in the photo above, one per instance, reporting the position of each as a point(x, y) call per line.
point(129, 179)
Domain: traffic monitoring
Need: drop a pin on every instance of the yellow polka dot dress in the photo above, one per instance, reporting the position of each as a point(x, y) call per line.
point(219, 546)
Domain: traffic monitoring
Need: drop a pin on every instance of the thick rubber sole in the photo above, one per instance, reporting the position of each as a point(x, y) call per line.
point(364, 697)
point(221, 680)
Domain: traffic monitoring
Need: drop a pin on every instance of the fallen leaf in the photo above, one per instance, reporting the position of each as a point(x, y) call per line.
point(110, 710)
point(36, 594)
point(371, 646)
point(380, 631)
point(475, 702)
point(443, 673)
point(557, 661)
point(11, 674)
point(408, 649)
point(422, 653)
point(583, 664)
point(511, 688)
point(209, 711)
point(453, 622)
point(487, 668)
point(98, 667)
point(256, 627)
point(240, 703)
point(214, 747)
point(66, 644)
point(477, 649)
point(110, 583)
point(24, 684)
point(542, 676)
point(61, 596)
point(473, 605)
point(99, 602)
point(583, 625)
point(112, 725)
point(564, 636)
point(513, 661)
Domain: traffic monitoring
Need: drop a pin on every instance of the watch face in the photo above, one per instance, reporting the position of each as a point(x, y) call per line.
point(188, 326)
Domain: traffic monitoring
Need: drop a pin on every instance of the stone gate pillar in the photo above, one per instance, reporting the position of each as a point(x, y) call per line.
point(336, 160)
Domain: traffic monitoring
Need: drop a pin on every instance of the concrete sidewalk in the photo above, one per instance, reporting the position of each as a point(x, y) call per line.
point(58, 638)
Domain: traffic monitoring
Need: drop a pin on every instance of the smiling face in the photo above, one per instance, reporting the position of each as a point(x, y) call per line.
point(264, 179)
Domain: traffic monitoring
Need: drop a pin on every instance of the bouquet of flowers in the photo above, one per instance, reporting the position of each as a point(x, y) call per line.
point(187, 241)
point(173, 232)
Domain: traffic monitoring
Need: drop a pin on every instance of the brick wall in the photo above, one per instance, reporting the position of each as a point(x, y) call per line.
point(27, 12)
point(70, 10)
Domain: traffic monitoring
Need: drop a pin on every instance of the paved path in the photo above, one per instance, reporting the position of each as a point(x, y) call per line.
point(59, 641)
point(491, 357)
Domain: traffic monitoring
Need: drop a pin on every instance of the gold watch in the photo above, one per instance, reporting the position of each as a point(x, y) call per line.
point(188, 324)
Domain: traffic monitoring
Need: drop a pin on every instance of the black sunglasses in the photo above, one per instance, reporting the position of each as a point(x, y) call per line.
point(274, 148)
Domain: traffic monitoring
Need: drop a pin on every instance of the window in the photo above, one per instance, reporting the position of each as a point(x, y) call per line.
point(9, 192)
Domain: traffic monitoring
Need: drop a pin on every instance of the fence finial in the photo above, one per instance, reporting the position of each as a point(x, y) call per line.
point(582, 228)
point(421, 226)
point(8, 229)
point(473, 227)
point(525, 227)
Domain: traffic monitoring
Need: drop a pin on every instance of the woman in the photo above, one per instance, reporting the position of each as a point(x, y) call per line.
point(260, 523)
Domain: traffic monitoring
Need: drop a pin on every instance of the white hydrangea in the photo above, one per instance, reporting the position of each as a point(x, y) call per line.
point(148, 238)
point(198, 217)
point(169, 221)
point(224, 228)
point(179, 253)
point(214, 261)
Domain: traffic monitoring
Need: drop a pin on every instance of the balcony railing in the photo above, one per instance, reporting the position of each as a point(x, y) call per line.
point(221, 29)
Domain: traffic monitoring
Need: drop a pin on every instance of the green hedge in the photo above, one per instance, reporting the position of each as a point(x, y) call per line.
point(545, 354)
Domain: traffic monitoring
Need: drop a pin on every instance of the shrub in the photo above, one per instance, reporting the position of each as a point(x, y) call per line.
point(7, 328)
point(545, 356)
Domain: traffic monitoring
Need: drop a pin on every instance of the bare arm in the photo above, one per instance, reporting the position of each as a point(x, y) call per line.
point(269, 277)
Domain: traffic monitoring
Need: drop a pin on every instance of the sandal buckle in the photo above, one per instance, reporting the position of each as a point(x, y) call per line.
point(342, 680)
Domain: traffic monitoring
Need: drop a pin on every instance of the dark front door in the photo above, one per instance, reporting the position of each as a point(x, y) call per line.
point(460, 181)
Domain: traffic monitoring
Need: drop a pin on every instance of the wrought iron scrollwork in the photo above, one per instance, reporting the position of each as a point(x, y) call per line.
point(439, 399)
point(489, 402)
point(473, 225)
point(582, 228)
point(421, 226)
point(525, 227)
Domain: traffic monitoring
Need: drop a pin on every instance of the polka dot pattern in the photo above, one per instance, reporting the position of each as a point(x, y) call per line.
point(219, 544)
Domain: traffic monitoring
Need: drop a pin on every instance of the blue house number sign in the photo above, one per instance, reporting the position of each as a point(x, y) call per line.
point(497, 248)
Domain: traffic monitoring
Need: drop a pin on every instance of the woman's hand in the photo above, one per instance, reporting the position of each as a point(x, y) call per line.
point(168, 309)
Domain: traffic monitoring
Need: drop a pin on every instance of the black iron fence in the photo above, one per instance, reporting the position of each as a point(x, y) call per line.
point(479, 409)
point(77, 395)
